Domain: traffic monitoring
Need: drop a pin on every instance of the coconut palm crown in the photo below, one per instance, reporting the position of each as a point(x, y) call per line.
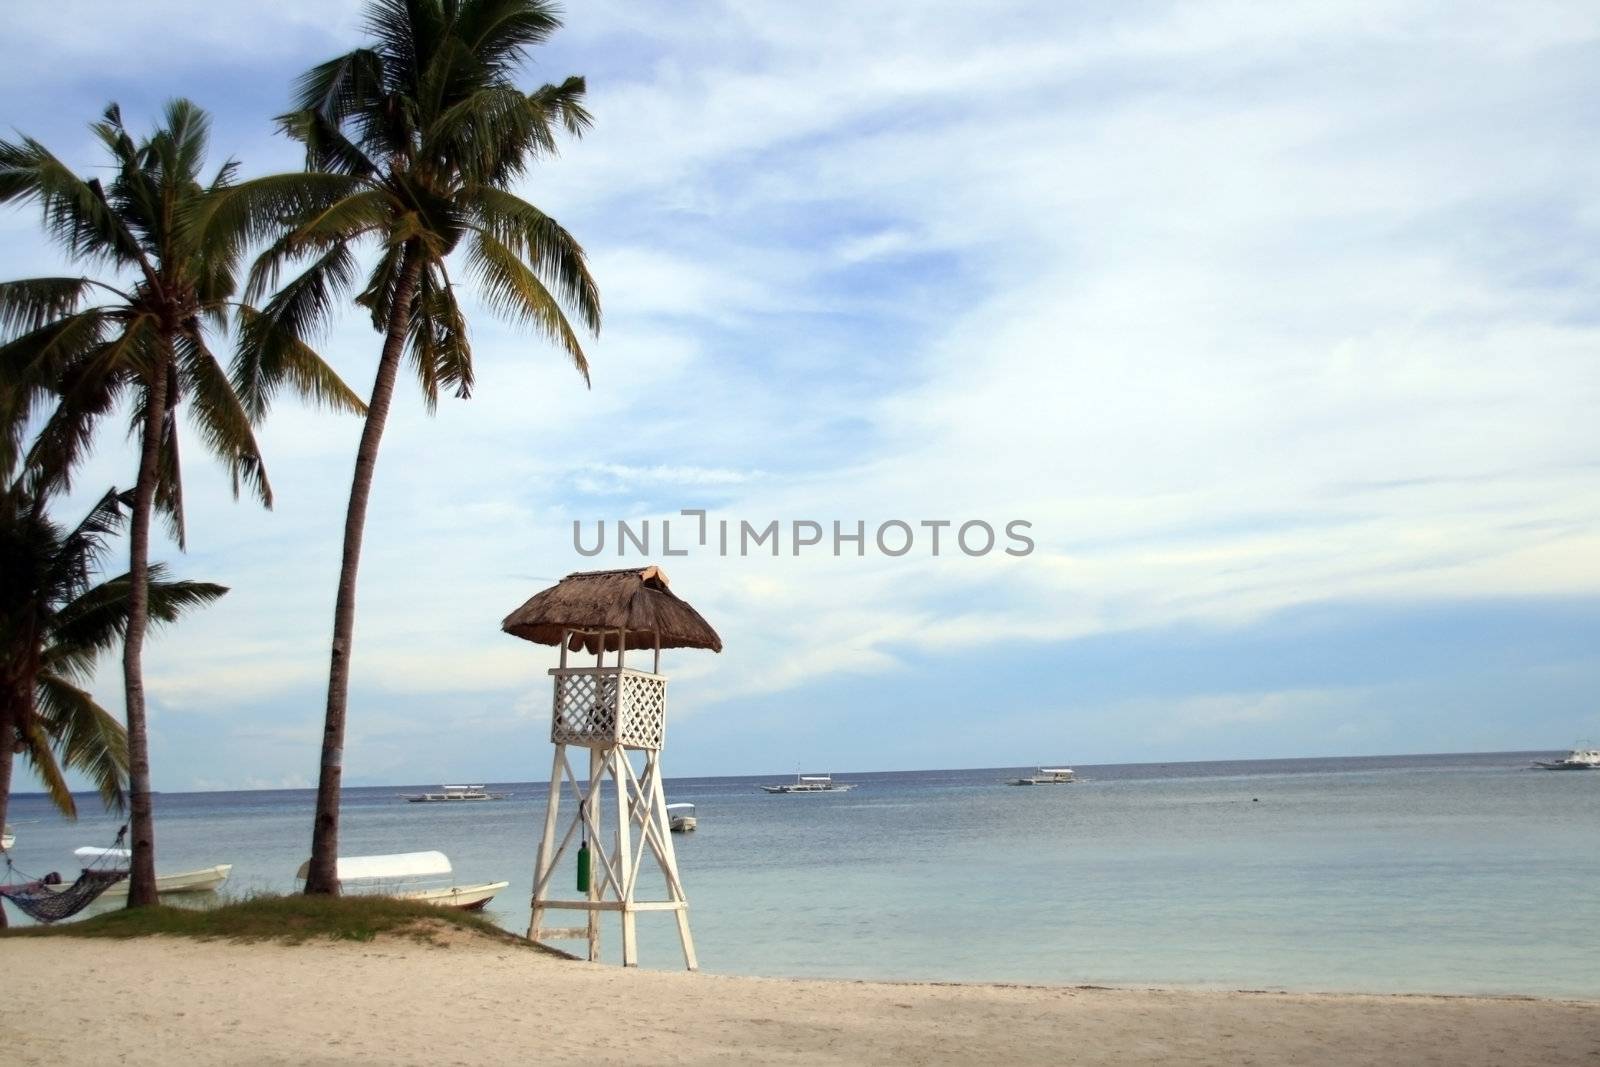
point(56, 622)
point(413, 146)
point(141, 333)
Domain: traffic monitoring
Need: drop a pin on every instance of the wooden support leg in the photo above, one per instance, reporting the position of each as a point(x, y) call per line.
point(547, 845)
point(669, 856)
point(621, 774)
point(591, 815)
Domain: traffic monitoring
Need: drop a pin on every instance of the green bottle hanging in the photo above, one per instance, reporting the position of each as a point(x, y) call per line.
point(584, 873)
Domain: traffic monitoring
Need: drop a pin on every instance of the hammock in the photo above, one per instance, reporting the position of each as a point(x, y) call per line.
point(38, 901)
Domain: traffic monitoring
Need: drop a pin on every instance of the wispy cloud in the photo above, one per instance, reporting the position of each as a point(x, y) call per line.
point(1243, 307)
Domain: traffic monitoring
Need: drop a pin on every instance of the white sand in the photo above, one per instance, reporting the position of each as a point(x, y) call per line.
point(71, 1001)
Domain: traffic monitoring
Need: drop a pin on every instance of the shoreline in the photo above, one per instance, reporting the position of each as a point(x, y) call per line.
point(471, 999)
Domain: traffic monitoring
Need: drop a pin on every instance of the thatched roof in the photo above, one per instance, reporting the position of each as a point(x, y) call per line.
point(591, 603)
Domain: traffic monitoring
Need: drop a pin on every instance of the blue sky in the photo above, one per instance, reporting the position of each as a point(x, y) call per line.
point(1278, 323)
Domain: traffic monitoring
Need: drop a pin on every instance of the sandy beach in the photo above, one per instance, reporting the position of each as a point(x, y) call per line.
point(473, 1001)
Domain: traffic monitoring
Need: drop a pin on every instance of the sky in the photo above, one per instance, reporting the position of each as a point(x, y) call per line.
point(1279, 325)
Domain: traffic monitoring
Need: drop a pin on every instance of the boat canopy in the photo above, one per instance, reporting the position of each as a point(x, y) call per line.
point(816, 777)
point(685, 806)
point(386, 868)
point(462, 788)
point(91, 853)
point(1055, 770)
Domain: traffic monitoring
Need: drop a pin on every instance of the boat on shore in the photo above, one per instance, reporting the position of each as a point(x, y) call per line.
point(423, 876)
point(200, 880)
point(681, 818)
point(1586, 757)
point(453, 793)
point(1045, 776)
point(809, 783)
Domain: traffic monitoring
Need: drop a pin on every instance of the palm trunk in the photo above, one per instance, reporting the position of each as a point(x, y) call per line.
point(8, 742)
point(142, 872)
point(322, 874)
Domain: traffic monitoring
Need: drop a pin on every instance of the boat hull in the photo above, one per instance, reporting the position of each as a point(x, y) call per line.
point(682, 824)
point(808, 789)
point(1565, 766)
point(204, 880)
point(463, 897)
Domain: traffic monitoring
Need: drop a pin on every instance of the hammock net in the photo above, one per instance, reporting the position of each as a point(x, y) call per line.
point(43, 899)
point(38, 901)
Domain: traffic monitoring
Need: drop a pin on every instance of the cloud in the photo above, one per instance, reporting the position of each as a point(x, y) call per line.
point(1243, 308)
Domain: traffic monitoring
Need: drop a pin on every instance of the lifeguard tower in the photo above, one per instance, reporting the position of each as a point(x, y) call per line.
point(616, 712)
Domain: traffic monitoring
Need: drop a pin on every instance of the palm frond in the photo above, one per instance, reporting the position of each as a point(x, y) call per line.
point(30, 304)
point(263, 208)
point(36, 750)
point(94, 622)
point(90, 739)
point(221, 417)
point(500, 32)
point(76, 213)
point(564, 104)
point(511, 289)
point(554, 253)
point(269, 357)
point(437, 341)
point(33, 369)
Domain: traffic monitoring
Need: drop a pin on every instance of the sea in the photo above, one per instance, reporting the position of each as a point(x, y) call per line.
point(1431, 873)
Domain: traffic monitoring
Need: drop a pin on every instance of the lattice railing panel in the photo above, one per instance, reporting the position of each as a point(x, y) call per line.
point(644, 711)
point(601, 707)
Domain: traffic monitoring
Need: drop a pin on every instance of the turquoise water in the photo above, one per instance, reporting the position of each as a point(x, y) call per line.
point(1461, 874)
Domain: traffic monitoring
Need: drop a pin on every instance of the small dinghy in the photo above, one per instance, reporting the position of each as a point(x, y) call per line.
point(203, 880)
point(423, 876)
point(681, 818)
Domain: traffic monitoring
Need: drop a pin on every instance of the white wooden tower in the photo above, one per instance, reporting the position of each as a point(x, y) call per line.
point(614, 807)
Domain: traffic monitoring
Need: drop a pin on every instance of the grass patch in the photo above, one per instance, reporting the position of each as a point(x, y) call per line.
point(293, 919)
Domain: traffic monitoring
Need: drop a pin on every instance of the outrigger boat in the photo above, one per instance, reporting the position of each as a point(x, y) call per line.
point(1046, 776)
point(810, 783)
point(402, 876)
point(1583, 758)
point(202, 880)
point(681, 818)
point(453, 792)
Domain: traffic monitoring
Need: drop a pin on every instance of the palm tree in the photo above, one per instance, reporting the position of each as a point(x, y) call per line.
point(413, 144)
point(141, 334)
point(55, 622)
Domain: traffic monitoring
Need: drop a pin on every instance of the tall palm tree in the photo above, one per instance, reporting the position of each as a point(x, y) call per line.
point(55, 622)
point(142, 333)
point(415, 143)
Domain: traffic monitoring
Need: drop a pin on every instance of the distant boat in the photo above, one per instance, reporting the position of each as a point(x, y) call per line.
point(681, 818)
point(810, 783)
point(201, 880)
point(7, 839)
point(1046, 776)
point(405, 875)
point(453, 792)
point(1583, 758)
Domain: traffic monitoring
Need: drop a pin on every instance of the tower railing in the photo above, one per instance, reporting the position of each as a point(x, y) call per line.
point(599, 707)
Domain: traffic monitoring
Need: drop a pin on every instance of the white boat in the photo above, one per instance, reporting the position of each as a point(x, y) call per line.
point(405, 876)
point(7, 839)
point(809, 783)
point(202, 880)
point(680, 818)
point(1046, 776)
point(453, 793)
point(1583, 758)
